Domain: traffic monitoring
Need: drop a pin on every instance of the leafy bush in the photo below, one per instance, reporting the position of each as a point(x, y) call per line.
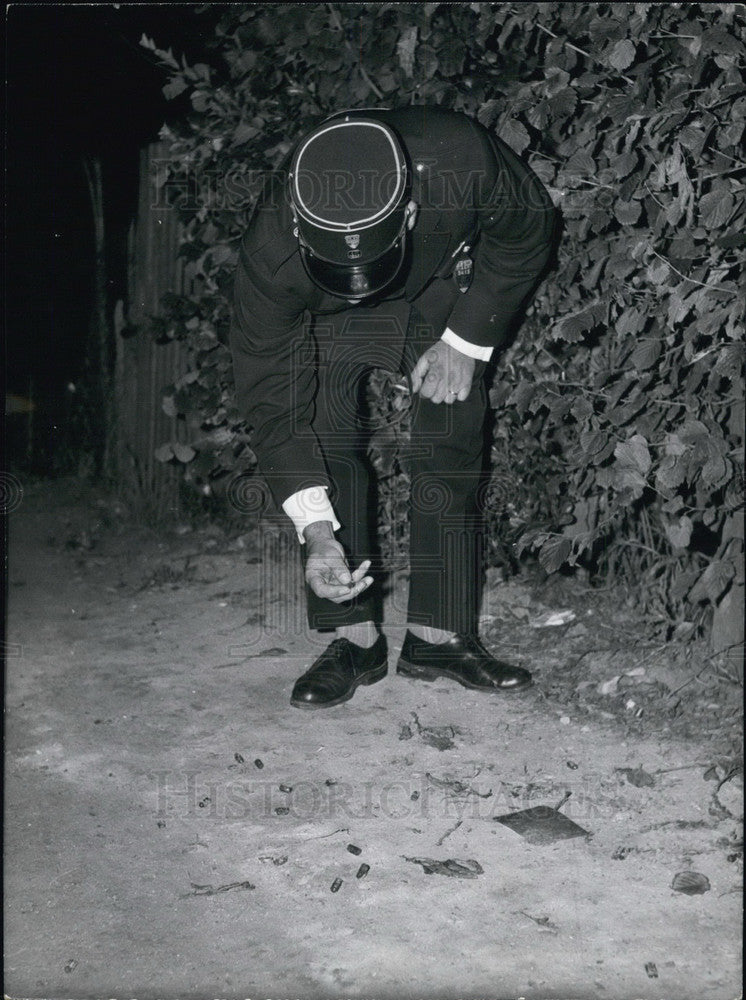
point(622, 397)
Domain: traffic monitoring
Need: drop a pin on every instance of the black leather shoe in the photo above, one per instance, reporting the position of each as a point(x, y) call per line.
point(335, 675)
point(462, 658)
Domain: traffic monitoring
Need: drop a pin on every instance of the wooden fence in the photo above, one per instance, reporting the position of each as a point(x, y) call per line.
point(143, 367)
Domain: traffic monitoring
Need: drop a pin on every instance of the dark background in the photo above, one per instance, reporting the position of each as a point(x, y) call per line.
point(78, 85)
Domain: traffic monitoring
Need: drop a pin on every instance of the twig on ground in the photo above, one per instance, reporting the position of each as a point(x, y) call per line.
point(449, 832)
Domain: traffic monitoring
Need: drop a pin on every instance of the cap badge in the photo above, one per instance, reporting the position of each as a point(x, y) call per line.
point(353, 242)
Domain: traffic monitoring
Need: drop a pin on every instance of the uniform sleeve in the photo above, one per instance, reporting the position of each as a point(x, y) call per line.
point(470, 350)
point(308, 506)
point(517, 223)
point(274, 370)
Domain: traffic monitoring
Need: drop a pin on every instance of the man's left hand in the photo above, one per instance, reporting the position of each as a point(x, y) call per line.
point(443, 374)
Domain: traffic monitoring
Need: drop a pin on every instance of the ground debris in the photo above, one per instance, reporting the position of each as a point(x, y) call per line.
point(637, 776)
point(542, 825)
point(452, 867)
point(544, 922)
point(210, 890)
point(456, 786)
point(691, 883)
point(553, 619)
point(449, 832)
point(440, 737)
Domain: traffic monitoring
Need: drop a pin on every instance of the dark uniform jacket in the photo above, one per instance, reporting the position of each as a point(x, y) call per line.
point(470, 189)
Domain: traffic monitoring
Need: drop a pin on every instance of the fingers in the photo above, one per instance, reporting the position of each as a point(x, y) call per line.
point(421, 368)
point(442, 375)
point(361, 571)
point(336, 583)
point(335, 592)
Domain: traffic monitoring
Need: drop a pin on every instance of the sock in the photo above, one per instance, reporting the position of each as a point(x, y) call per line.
point(432, 635)
point(362, 634)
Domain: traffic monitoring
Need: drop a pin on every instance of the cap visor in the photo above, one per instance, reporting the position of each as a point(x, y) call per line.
point(359, 282)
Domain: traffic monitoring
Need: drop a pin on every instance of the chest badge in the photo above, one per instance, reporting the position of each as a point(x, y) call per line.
point(463, 273)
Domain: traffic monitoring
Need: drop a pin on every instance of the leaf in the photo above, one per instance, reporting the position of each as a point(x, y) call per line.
point(572, 328)
point(563, 103)
point(582, 164)
point(603, 28)
point(658, 271)
point(716, 208)
point(634, 454)
point(427, 61)
point(175, 86)
point(183, 452)
point(627, 212)
point(165, 453)
point(554, 552)
point(646, 354)
point(168, 405)
point(713, 582)
point(244, 133)
point(680, 533)
point(451, 56)
point(624, 165)
point(623, 54)
point(405, 50)
point(514, 134)
point(488, 113)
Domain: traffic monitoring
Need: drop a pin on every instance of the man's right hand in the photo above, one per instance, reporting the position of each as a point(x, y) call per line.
point(327, 572)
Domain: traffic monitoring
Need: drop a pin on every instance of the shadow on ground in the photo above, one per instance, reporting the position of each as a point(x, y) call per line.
point(174, 828)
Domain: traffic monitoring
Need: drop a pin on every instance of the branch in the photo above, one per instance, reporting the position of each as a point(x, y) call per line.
point(338, 25)
point(703, 284)
point(582, 52)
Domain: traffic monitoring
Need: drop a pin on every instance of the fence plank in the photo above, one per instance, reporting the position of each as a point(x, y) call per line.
point(144, 368)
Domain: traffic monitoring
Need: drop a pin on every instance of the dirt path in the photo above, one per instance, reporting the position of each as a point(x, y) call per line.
point(148, 854)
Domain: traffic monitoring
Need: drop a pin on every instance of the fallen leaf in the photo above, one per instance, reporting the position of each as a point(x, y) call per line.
point(452, 867)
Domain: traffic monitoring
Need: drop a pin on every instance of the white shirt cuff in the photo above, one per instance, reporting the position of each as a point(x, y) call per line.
point(309, 505)
point(470, 350)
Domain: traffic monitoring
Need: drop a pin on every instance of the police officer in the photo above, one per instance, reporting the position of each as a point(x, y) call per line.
point(407, 240)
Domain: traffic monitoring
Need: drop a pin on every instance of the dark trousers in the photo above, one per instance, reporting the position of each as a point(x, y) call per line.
point(444, 460)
